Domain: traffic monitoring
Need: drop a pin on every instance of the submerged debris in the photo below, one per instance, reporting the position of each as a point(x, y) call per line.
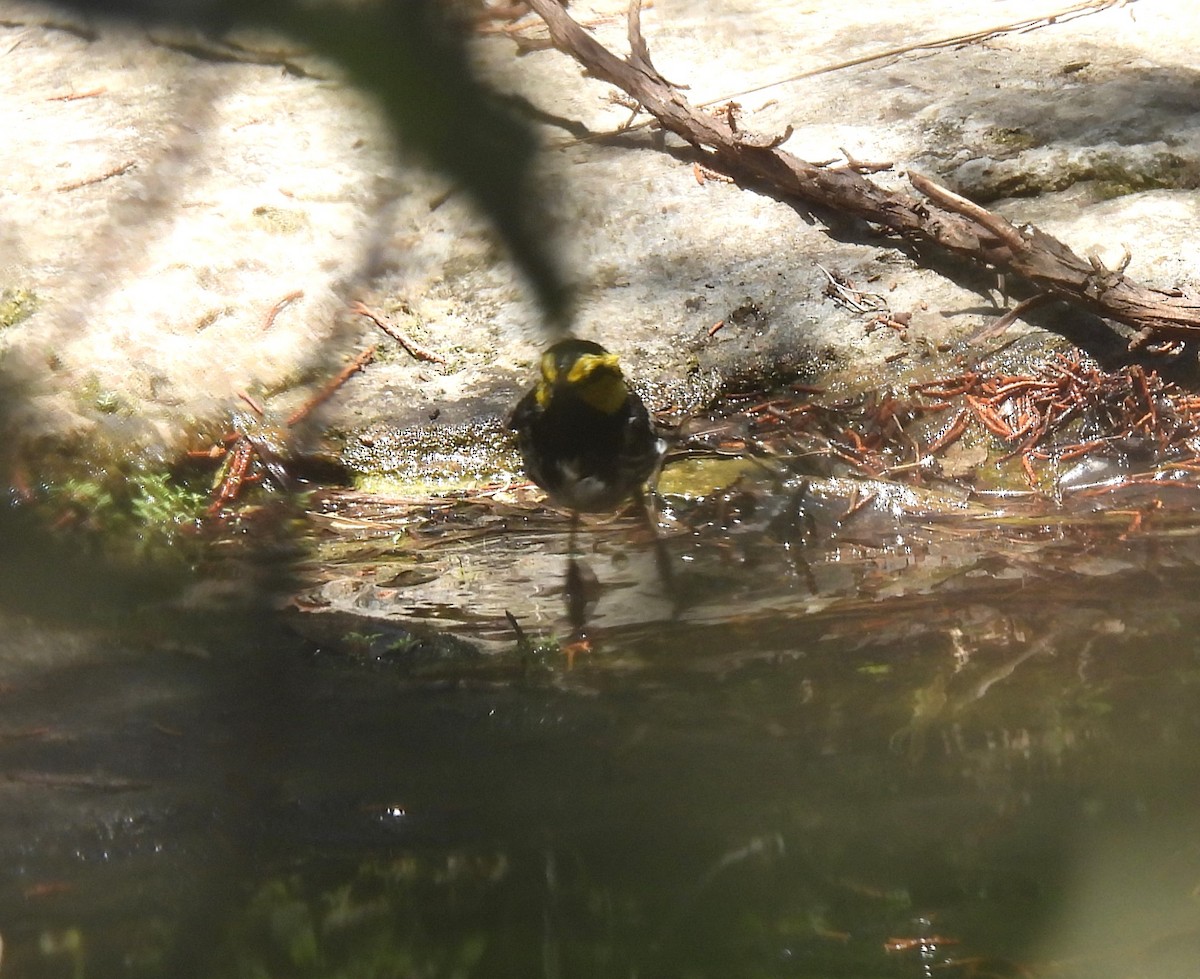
point(254, 450)
point(1070, 408)
point(1116, 428)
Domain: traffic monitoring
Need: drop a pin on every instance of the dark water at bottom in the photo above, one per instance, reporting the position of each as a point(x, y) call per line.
point(939, 788)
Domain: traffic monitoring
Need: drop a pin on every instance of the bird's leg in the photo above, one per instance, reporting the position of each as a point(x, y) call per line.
point(648, 511)
point(573, 591)
point(577, 594)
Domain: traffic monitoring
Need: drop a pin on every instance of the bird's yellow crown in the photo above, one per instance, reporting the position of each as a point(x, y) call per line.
point(591, 372)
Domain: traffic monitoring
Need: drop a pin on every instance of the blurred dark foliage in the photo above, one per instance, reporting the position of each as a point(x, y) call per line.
point(412, 55)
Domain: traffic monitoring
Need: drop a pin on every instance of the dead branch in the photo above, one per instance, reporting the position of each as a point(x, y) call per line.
point(940, 218)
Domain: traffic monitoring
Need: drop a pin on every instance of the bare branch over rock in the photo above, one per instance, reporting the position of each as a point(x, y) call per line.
point(938, 217)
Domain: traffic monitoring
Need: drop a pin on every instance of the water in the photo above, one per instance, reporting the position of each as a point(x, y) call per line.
point(954, 755)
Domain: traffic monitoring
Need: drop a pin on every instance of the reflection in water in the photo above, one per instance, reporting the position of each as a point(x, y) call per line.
point(947, 759)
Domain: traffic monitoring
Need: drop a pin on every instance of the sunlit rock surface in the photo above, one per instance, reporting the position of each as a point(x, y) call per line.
point(168, 198)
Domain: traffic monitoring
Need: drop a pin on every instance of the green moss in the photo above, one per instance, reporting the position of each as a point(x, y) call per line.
point(1111, 175)
point(390, 919)
point(1011, 140)
point(162, 504)
point(944, 132)
point(698, 478)
point(103, 546)
point(92, 396)
point(142, 509)
point(108, 402)
point(279, 220)
point(16, 305)
point(1165, 171)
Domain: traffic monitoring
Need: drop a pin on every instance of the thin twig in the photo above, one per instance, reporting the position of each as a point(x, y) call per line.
point(1008, 319)
point(72, 96)
point(413, 349)
point(275, 310)
point(980, 215)
point(116, 171)
point(331, 388)
point(958, 40)
point(255, 405)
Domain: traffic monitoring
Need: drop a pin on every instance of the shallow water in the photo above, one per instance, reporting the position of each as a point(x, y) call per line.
point(955, 755)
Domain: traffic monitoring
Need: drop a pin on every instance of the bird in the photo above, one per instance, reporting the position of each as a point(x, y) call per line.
point(584, 435)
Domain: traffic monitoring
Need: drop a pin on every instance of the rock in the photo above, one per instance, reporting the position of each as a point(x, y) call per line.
point(182, 224)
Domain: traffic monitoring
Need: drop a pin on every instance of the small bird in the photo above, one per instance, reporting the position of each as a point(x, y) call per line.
point(585, 436)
